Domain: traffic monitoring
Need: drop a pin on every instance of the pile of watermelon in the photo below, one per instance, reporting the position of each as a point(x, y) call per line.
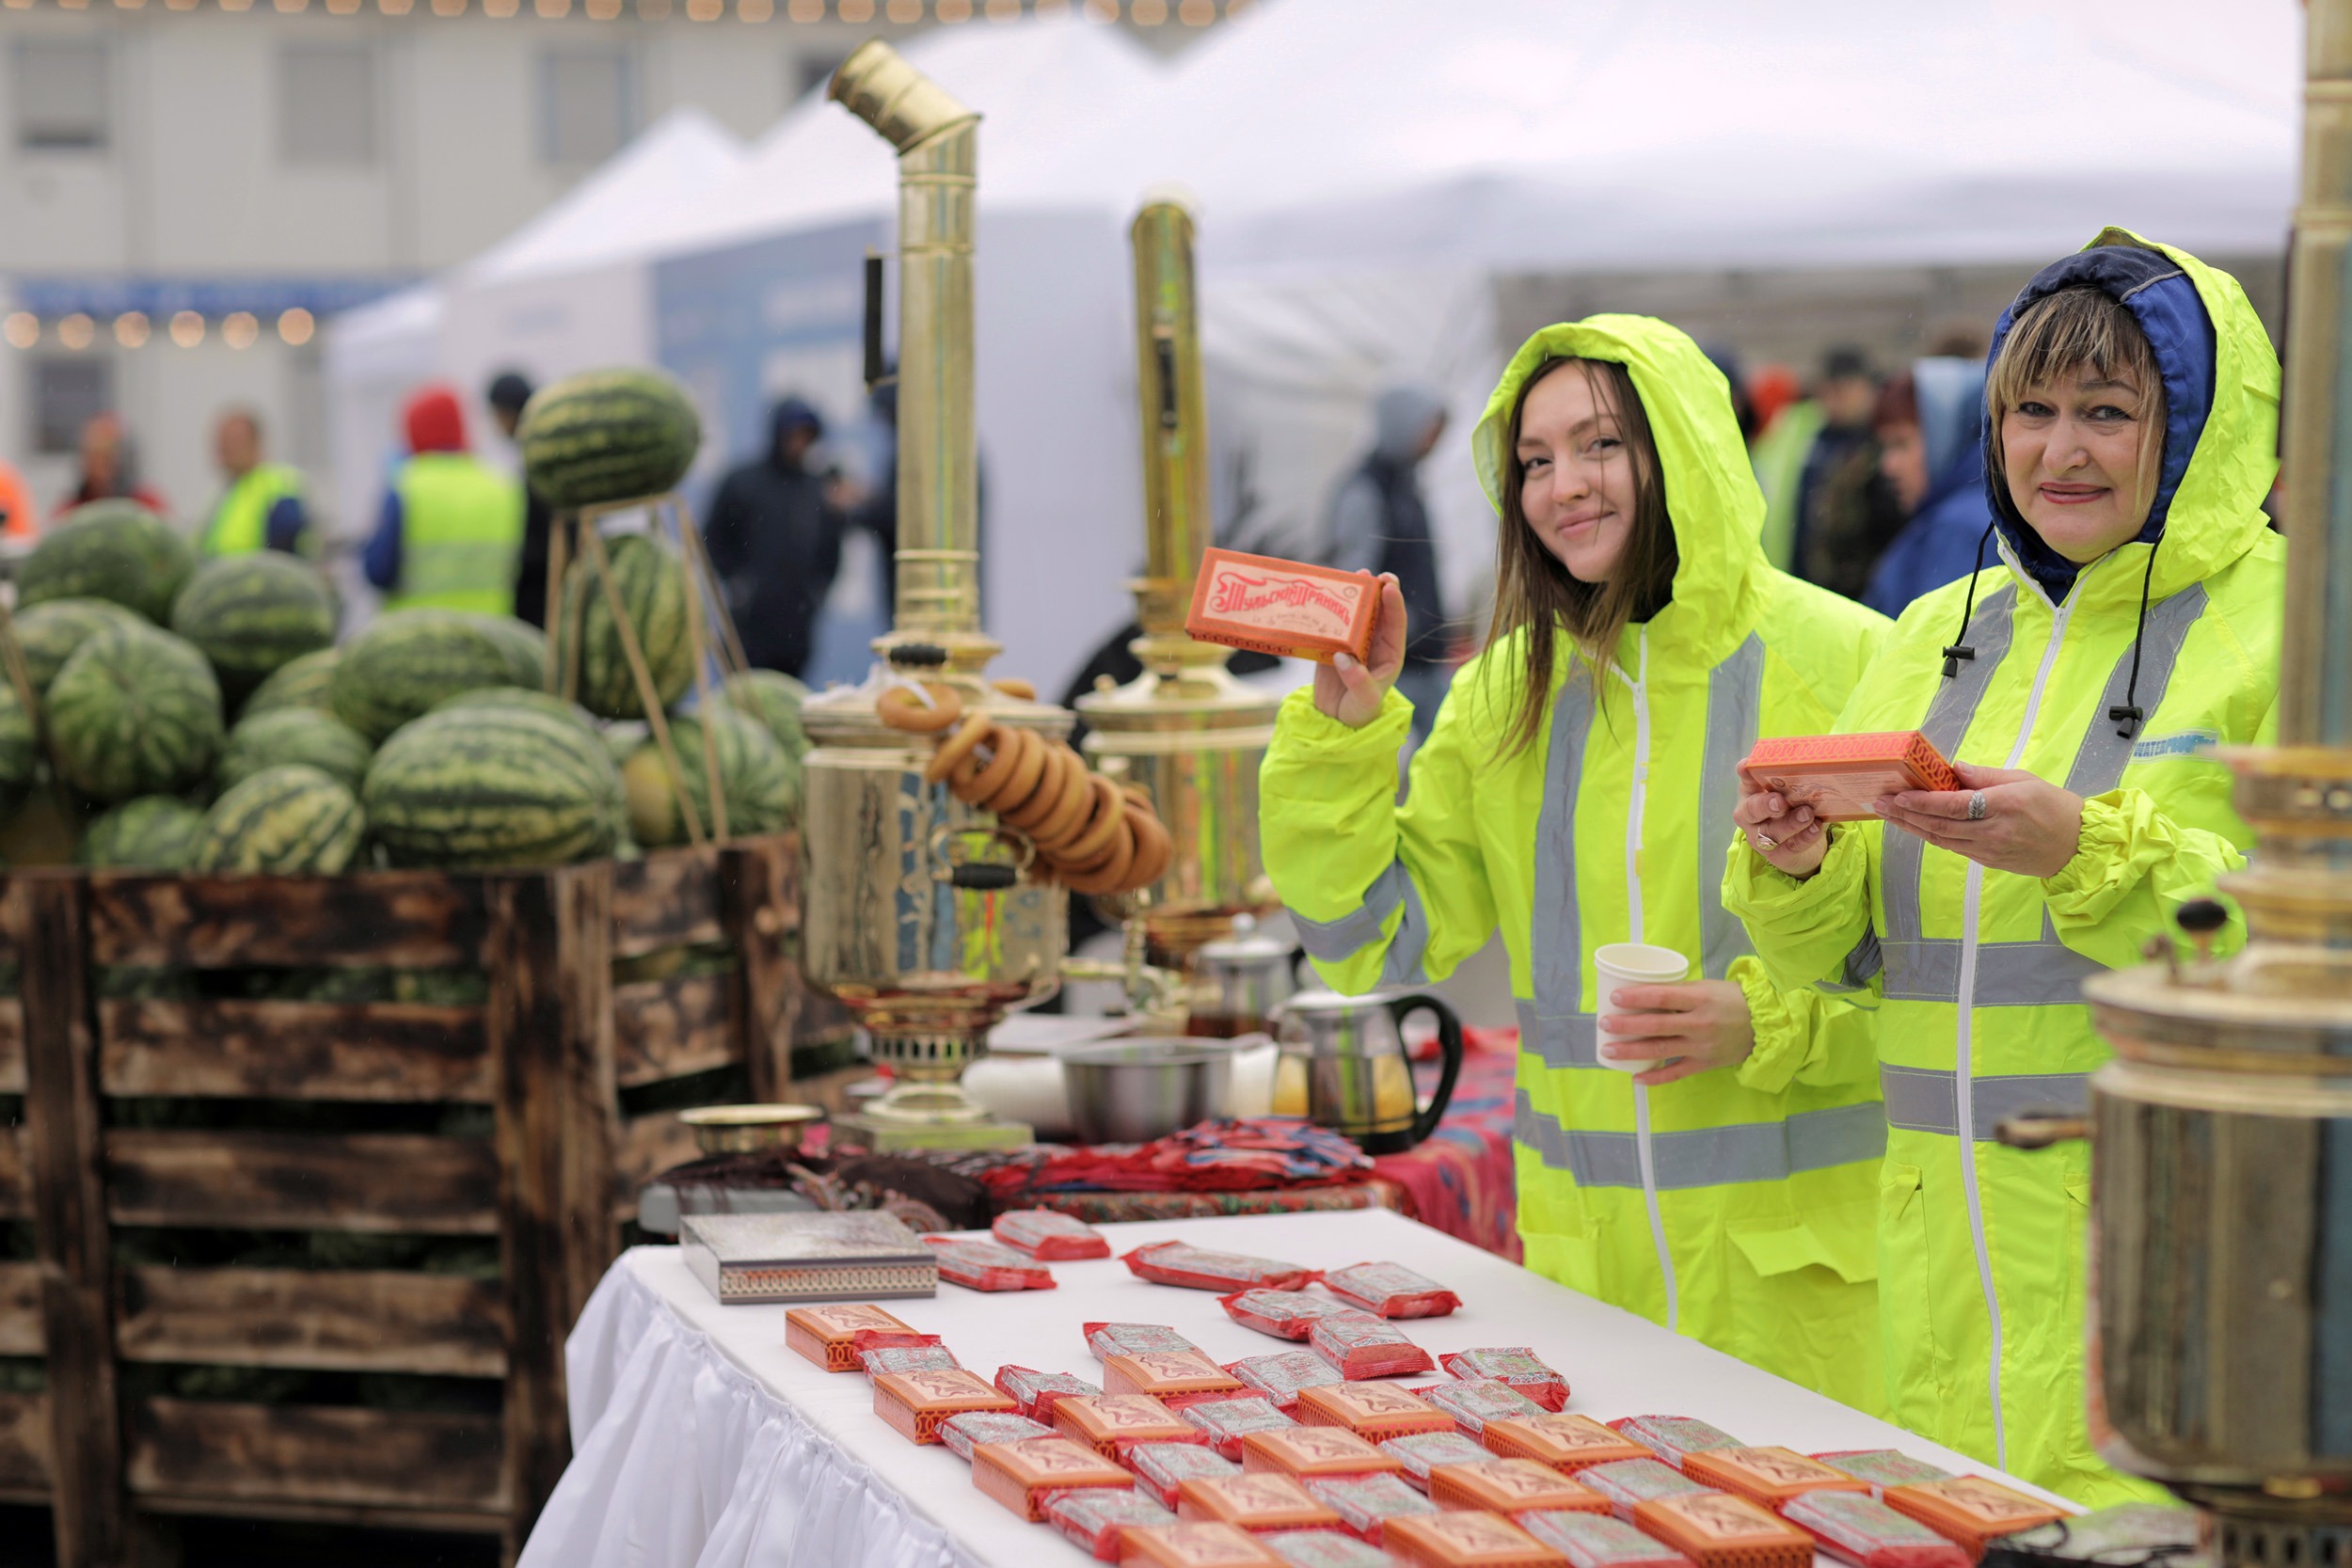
point(203, 717)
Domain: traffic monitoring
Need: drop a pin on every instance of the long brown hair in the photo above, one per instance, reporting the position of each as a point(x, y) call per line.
point(1534, 592)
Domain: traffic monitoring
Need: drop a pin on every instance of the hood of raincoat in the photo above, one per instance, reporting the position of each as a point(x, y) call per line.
point(1711, 497)
point(2221, 410)
point(1399, 419)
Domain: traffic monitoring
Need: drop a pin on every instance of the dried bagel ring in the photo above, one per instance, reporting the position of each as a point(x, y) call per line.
point(1015, 766)
point(1070, 813)
point(1042, 801)
point(1103, 824)
point(1121, 842)
point(1116, 876)
point(1013, 686)
point(902, 708)
point(957, 747)
point(1153, 848)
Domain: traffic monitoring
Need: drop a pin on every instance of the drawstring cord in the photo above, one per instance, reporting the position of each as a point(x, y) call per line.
point(1958, 651)
point(2127, 717)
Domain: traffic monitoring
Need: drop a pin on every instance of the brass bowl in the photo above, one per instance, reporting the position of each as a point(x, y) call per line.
point(749, 1129)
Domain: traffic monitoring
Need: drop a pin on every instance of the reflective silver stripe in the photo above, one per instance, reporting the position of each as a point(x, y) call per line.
point(2100, 761)
point(1948, 718)
point(1559, 1042)
point(1556, 938)
point(1706, 1157)
point(1333, 941)
point(1922, 1100)
point(1735, 701)
point(2045, 973)
point(1862, 966)
point(1402, 967)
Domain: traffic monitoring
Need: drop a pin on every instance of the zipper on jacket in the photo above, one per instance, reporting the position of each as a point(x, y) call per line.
point(1963, 1081)
point(1640, 685)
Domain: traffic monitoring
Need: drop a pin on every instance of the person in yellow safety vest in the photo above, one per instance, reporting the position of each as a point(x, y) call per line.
point(1576, 791)
point(263, 508)
point(2080, 687)
point(452, 527)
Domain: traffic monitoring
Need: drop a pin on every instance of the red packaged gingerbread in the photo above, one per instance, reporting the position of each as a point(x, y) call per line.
point(1200, 1545)
point(831, 1335)
point(1510, 1486)
point(1374, 1412)
point(1109, 1340)
point(1050, 1237)
point(1280, 1377)
point(1284, 1314)
point(907, 1358)
point(1034, 1392)
point(1100, 1519)
point(1970, 1510)
point(1473, 1405)
point(1671, 1437)
point(1715, 1529)
point(1365, 1504)
point(1423, 1451)
point(1390, 1291)
point(1226, 1422)
point(1462, 1539)
point(1314, 1452)
point(1883, 1468)
point(1198, 1269)
point(1174, 1377)
point(1162, 1467)
point(915, 1402)
point(986, 1266)
point(1863, 1531)
point(963, 1433)
point(1567, 1443)
point(1108, 1422)
point(1286, 608)
point(1326, 1548)
point(1628, 1482)
point(1840, 775)
point(1021, 1475)
point(1597, 1541)
point(1362, 1346)
point(1516, 1365)
point(1770, 1476)
point(1259, 1502)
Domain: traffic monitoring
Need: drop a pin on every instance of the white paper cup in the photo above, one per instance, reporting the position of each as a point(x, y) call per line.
point(1634, 963)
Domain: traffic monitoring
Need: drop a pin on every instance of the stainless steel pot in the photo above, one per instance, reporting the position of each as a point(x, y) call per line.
point(1133, 1091)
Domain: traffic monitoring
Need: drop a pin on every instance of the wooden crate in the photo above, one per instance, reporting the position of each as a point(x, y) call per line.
point(549, 1052)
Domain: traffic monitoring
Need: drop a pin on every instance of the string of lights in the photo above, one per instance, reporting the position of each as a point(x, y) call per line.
point(79, 329)
point(1140, 13)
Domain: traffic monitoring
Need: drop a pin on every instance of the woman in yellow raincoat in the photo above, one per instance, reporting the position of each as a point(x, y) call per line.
point(2081, 686)
point(1577, 790)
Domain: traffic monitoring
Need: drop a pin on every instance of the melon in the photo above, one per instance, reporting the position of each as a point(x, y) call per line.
point(253, 614)
point(775, 699)
point(290, 820)
point(607, 435)
point(762, 787)
point(493, 784)
point(292, 734)
point(136, 712)
point(525, 646)
point(517, 697)
point(304, 682)
point(50, 632)
point(20, 746)
point(116, 550)
point(652, 589)
point(155, 832)
point(410, 659)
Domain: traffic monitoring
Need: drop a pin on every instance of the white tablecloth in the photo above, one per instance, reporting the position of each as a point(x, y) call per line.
point(700, 1440)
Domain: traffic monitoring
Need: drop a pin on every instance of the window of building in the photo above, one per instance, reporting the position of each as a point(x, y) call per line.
point(67, 393)
point(61, 94)
point(807, 73)
point(585, 112)
point(326, 104)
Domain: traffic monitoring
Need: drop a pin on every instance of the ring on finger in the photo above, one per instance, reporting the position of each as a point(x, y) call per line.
point(1976, 806)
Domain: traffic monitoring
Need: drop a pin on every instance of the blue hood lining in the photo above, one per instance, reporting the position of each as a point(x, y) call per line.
point(2163, 301)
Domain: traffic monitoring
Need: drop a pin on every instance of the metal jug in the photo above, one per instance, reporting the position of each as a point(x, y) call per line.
point(1242, 979)
point(1345, 1066)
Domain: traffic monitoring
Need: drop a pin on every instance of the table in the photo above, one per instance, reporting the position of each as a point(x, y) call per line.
point(699, 1439)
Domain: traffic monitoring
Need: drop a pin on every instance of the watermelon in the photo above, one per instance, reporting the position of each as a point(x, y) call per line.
point(515, 697)
point(607, 435)
point(289, 821)
point(303, 682)
point(525, 646)
point(50, 632)
point(493, 784)
point(653, 593)
point(155, 832)
point(775, 699)
point(136, 712)
point(762, 786)
point(19, 746)
point(623, 739)
point(410, 659)
point(285, 735)
point(116, 550)
point(250, 614)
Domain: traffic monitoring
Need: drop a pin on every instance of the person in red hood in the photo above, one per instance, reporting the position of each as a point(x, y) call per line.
point(450, 528)
point(110, 469)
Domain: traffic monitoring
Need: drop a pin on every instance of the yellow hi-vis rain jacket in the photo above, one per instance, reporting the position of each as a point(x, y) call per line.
point(1980, 1246)
point(1734, 1205)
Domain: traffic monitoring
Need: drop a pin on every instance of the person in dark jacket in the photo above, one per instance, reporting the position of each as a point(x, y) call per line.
point(775, 541)
point(1379, 523)
point(1931, 433)
point(509, 391)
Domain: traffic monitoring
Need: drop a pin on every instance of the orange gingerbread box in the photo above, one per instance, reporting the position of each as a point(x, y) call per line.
point(827, 1335)
point(1104, 1421)
point(1567, 1443)
point(1716, 1529)
point(1177, 1376)
point(1466, 1540)
point(1770, 1476)
point(915, 1402)
point(1020, 1474)
point(1286, 608)
point(1510, 1486)
point(1314, 1452)
point(1255, 1503)
point(1840, 775)
point(1970, 1509)
point(1372, 1411)
point(1203, 1545)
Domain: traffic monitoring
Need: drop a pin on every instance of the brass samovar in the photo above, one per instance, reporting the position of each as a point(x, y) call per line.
point(921, 915)
point(1185, 729)
point(2221, 1309)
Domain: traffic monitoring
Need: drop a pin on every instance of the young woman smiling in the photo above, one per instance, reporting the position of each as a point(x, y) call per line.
point(2080, 687)
point(1577, 790)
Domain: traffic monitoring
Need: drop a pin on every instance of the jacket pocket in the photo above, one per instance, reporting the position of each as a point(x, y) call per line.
point(1906, 1333)
point(1571, 1256)
point(1841, 1239)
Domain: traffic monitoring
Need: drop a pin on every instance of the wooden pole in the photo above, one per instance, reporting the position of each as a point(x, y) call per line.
point(702, 684)
point(698, 560)
point(648, 695)
point(563, 652)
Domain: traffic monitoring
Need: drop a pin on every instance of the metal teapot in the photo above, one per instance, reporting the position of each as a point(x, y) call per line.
point(1345, 1066)
point(1242, 979)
